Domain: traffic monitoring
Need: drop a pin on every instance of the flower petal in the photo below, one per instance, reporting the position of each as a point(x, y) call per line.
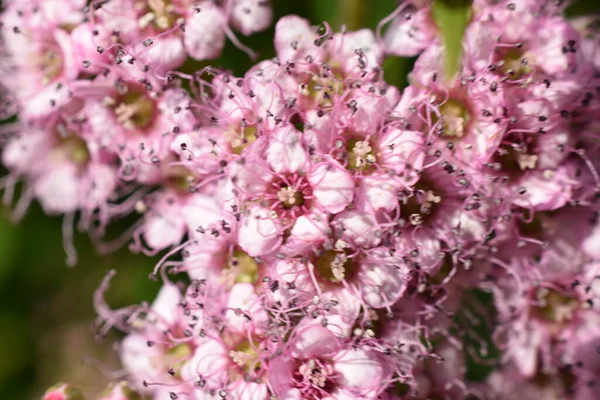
point(204, 37)
point(333, 187)
point(258, 233)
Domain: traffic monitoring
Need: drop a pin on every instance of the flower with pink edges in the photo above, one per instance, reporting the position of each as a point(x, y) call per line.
point(317, 365)
point(163, 33)
point(335, 235)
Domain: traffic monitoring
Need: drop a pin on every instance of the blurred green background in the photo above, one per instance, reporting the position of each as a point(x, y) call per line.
point(46, 311)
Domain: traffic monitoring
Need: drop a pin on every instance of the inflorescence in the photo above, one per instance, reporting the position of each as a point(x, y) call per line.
point(339, 235)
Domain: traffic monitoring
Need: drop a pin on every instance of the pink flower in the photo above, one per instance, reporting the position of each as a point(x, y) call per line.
point(250, 16)
point(171, 213)
point(412, 30)
point(509, 380)
point(531, 162)
point(463, 120)
point(289, 185)
point(543, 305)
point(144, 352)
point(138, 124)
point(348, 54)
point(162, 34)
point(233, 361)
point(41, 56)
point(521, 48)
point(582, 349)
point(63, 391)
point(338, 238)
point(318, 365)
point(82, 176)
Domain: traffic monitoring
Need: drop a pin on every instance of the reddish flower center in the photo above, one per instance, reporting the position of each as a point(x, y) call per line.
point(290, 195)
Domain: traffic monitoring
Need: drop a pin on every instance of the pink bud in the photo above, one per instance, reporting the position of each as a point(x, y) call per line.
point(63, 391)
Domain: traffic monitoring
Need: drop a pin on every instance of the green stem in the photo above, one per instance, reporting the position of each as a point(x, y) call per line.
point(452, 18)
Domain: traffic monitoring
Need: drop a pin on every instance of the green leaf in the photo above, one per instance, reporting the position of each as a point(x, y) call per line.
point(452, 18)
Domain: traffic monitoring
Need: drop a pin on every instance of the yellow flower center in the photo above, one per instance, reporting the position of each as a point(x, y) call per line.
point(454, 118)
point(241, 268)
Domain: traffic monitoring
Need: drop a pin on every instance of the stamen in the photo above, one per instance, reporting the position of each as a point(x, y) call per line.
point(526, 161)
point(362, 148)
point(287, 196)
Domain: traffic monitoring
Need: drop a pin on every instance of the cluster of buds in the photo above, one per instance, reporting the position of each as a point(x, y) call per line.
point(324, 236)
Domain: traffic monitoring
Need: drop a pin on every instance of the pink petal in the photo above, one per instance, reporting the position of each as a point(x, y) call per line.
point(378, 192)
point(551, 36)
point(333, 187)
point(165, 53)
point(545, 190)
point(361, 371)
point(344, 47)
point(102, 182)
point(280, 376)
point(258, 233)
point(139, 358)
point(164, 226)
point(243, 390)
point(408, 37)
point(308, 232)
point(173, 105)
point(294, 39)
point(85, 46)
point(382, 285)
point(250, 16)
point(526, 350)
point(202, 211)
point(58, 189)
point(591, 244)
point(286, 152)
point(211, 361)
point(399, 149)
point(166, 304)
point(243, 296)
point(313, 341)
point(204, 37)
point(357, 228)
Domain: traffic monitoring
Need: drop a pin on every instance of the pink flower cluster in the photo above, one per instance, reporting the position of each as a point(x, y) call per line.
point(337, 234)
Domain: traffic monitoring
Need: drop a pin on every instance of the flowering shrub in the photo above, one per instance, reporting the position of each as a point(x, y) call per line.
point(324, 235)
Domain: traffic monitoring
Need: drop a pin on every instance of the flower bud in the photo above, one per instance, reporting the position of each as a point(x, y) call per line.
point(63, 391)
